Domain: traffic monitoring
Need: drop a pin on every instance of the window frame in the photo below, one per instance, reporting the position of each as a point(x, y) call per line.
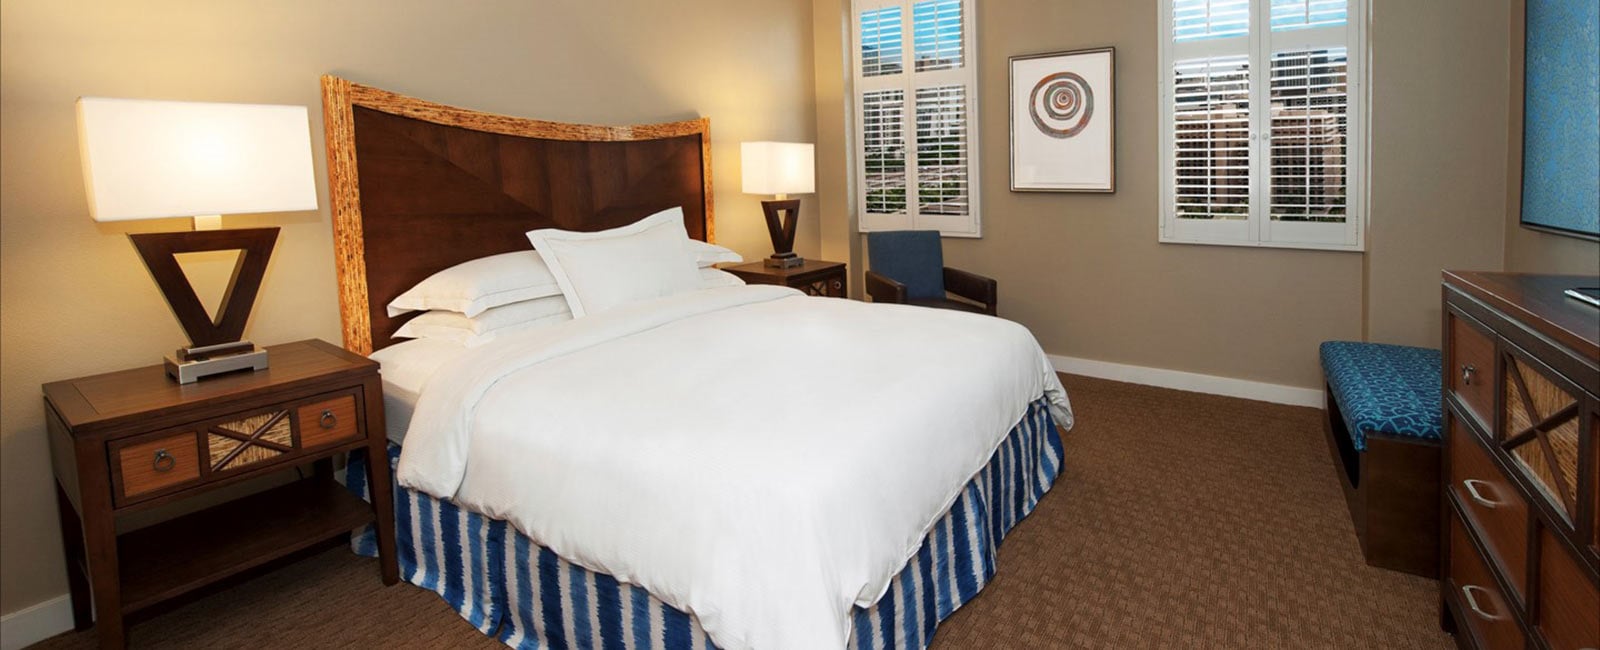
point(908, 81)
point(1259, 230)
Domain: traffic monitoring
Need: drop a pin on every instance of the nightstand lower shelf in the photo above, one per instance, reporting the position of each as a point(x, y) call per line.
point(177, 556)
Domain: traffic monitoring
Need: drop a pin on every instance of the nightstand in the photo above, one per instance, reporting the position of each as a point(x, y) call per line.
point(814, 277)
point(128, 441)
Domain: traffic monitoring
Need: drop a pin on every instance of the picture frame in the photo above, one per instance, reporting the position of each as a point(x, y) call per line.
point(1063, 121)
point(1560, 133)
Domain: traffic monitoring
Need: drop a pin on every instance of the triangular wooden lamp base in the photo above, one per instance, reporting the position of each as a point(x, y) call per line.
point(215, 345)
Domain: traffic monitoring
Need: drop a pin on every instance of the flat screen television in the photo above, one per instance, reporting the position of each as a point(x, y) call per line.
point(1561, 118)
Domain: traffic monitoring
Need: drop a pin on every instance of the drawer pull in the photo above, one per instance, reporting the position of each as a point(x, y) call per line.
point(328, 420)
point(1467, 373)
point(1471, 485)
point(1472, 603)
point(164, 461)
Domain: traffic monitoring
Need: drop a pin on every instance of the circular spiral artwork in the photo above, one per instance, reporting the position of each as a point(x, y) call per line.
point(1061, 104)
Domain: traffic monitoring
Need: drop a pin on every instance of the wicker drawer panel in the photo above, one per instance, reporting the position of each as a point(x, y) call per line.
point(1485, 611)
point(237, 443)
point(1491, 503)
point(151, 464)
point(1569, 606)
point(1540, 429)
point(328, 422)
point(1470, 369)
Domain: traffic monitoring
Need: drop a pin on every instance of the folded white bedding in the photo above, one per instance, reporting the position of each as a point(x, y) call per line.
point(406, 368)
point(653, 443)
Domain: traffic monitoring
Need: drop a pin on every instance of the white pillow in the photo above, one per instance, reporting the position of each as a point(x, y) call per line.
point(706, 254)
point(713, 278)
point(474, 331)
point(606, 269)
point(473, 286)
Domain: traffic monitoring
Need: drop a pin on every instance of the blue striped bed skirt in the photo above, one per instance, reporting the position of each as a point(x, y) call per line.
point(514, 590)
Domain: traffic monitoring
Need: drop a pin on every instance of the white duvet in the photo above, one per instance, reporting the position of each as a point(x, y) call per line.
point(755, 457)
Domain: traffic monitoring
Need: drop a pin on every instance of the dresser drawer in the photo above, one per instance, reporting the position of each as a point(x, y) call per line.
point(1469, 368)
point(1492, 504)
point(149, 465)
point(1569, 606)
point(1485, 612)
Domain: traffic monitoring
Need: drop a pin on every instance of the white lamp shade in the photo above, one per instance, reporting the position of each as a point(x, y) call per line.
point(778, 167)
point(145, 159)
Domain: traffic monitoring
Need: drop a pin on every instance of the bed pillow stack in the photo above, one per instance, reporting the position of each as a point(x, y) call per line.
point(571, 274)
point(650, 258)
point(473, 302)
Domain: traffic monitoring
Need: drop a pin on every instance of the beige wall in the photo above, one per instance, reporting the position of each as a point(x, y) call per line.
point(76, 298)
point(1528, 250)
point(1086, 273)
point(1439, 94)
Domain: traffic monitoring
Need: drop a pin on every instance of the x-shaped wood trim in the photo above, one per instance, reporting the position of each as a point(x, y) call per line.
point(251, 440)
point(1540, 431)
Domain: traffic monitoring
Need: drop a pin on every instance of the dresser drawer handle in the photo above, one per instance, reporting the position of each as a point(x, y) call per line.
point(1467, 373)
point(1471, 485)
point(1472, 603)
point(164, 461)
point(328, 420)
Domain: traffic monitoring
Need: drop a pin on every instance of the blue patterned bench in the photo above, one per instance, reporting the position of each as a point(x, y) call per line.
point(1383, 423)
point(1387, 389)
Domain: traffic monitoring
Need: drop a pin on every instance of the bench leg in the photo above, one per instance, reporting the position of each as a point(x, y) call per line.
point(1400, 490)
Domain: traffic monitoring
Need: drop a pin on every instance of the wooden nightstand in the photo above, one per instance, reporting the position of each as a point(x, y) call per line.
point(128, 441)
point(814, 277)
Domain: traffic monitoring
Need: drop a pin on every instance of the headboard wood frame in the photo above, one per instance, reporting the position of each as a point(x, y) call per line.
point(431, 168)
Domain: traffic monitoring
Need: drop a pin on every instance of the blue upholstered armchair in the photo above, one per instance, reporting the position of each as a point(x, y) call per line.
point(907, 267)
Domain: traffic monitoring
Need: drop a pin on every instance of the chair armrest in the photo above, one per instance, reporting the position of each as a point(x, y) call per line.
point(882, 289)
point(973, 287)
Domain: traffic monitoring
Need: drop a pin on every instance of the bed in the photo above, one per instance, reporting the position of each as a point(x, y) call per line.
point(629, 478)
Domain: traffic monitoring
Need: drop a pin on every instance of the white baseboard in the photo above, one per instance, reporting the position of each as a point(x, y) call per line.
point(1189, 381)
point(33, 624)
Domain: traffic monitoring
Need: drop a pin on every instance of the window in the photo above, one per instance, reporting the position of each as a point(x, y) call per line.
point(1262, 123)
point(916, 91)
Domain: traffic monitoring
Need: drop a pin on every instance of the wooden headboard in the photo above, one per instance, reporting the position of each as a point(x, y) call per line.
point(418, 187)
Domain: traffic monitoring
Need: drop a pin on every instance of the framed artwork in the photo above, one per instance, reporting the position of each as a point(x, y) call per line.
point(1063, 122)
point(1561, 118)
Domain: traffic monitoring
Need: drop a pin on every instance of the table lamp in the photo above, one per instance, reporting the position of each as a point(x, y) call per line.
point(781, 169)
point(145, 159)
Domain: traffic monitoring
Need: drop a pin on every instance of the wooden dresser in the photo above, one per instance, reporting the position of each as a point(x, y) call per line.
point(1520, 546)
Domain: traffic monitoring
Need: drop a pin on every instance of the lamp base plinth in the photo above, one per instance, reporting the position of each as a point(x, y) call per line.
point(784, 261)
point(189, 365)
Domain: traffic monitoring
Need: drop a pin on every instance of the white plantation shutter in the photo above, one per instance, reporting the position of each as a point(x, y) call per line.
point(914, 106)
point(1195, 20)
point(937, 34)
point(884, 144)
point(882, 42)
point(1212, 132)
point(1309, 134)
point(1261, 106)
point(942, 150)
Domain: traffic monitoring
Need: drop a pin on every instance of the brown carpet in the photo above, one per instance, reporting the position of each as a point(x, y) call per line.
point(1181, 521)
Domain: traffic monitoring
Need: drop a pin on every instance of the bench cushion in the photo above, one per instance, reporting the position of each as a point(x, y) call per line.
point(1387, 389)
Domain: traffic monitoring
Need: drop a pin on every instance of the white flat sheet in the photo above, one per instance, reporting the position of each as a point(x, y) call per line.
point(406, 367)
point(760, 459)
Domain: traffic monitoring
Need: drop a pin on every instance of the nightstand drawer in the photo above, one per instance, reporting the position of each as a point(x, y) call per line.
point(328, 422)
point(153, 463)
